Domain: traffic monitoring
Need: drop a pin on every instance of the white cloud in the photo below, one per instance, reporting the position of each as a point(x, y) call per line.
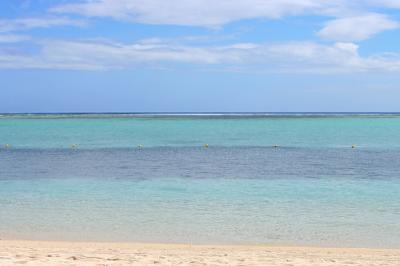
point(357, 28)
point(197, 13)
point(12, 38)
point(284, 57)
point(353, 21)
point(386, 3)
point(8, 25)
point(217, 13)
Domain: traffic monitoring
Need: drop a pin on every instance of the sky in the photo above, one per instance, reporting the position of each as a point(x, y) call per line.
point(199, 56)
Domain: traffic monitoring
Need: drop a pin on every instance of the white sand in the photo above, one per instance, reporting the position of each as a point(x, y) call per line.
point(80, 253)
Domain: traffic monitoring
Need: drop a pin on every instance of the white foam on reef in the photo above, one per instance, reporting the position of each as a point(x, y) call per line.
point(194, 115)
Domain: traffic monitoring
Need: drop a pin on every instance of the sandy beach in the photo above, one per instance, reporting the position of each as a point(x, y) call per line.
point(83, 253)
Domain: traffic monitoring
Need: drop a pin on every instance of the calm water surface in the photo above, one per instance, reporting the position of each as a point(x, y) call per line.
point(314, 189)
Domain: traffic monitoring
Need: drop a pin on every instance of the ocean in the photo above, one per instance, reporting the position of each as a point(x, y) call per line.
point(246, 178)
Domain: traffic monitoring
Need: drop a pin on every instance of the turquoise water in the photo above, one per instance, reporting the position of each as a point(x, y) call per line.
point(296, 131)
point(312, 190)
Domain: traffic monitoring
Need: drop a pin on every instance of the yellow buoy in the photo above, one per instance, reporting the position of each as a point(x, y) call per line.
point(353, 146)
point(74, 146)
point(206, 145)
point(140, 146)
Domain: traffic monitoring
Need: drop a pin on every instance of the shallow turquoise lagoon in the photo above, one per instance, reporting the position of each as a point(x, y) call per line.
point(122, 132)
point(313, 189)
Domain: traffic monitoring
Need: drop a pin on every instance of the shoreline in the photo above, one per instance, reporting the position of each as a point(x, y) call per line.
point(32, 252)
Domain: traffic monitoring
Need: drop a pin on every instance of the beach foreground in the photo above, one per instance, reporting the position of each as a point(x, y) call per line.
point(85, 253)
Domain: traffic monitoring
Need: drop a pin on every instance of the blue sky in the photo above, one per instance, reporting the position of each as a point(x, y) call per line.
point(203, 55)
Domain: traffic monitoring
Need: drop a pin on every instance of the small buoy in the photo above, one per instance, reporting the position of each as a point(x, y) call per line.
point(74, 146)
point(7, 146)
point(276, 146)
point(140, 146)
point(206, 145)
point(353, 146)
